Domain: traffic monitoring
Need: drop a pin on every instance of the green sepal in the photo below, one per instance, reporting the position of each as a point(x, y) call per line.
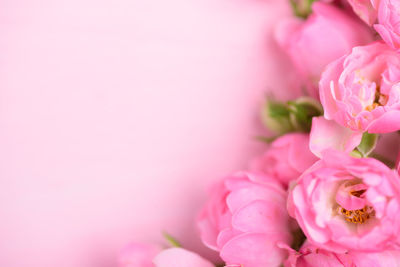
point(302, 8)
point(171, 240)
point(266, 139)
point(293, 116)
point(367, 144)
point(276, 117)
point(302, 110)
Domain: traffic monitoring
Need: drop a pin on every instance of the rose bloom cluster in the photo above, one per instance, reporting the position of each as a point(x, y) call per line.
point(320, 194)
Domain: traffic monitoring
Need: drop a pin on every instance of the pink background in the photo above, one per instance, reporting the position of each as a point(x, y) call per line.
point(116, 115)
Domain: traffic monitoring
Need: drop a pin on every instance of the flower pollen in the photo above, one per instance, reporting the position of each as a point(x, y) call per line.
point(358, 216)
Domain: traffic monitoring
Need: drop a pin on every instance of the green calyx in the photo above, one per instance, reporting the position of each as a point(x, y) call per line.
point(302, 8)
point(292, 116)
point(172, 241)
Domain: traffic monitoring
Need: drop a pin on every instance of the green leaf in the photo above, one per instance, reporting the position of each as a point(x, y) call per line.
point(171, 240)
point(368, 144)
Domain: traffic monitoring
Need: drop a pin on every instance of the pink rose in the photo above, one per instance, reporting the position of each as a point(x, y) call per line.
point(312, 256)
point(343, 203)
point(389, 22)
point(365, 9)
point(146, 255)
point(326, 35)
point(361, 91)
point(286, 158)
point(245, 219)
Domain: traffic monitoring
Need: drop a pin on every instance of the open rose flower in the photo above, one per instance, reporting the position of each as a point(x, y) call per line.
point(245, 219)
point(146, 255)
point(343, 203)
point(326, 35)
point(361, 91)
point(312, 256)
point(286, 158)
point(389, 22)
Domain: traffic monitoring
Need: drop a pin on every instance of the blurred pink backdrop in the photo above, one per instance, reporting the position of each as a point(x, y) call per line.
point(115, 116)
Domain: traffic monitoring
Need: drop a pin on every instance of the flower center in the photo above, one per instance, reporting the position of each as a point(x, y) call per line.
point(380, 100)
point(358, 216)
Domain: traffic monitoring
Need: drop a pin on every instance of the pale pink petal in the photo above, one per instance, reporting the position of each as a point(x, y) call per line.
point(330, 135)
point(138, 255)
point(179, 257)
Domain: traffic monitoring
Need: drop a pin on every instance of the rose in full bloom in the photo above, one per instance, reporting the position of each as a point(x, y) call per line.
point(312, 256)
point(389, 22)
point(325, 36)
point(245, 219)
point(361, 91)
point(286, 158)
point(146, 255)
point(343, 203)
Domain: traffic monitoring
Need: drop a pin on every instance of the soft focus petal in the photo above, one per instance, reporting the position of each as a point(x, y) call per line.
point(252, 250)
point(138, 255)
point(365, 10)
point(312, 49)
point(178, 257)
